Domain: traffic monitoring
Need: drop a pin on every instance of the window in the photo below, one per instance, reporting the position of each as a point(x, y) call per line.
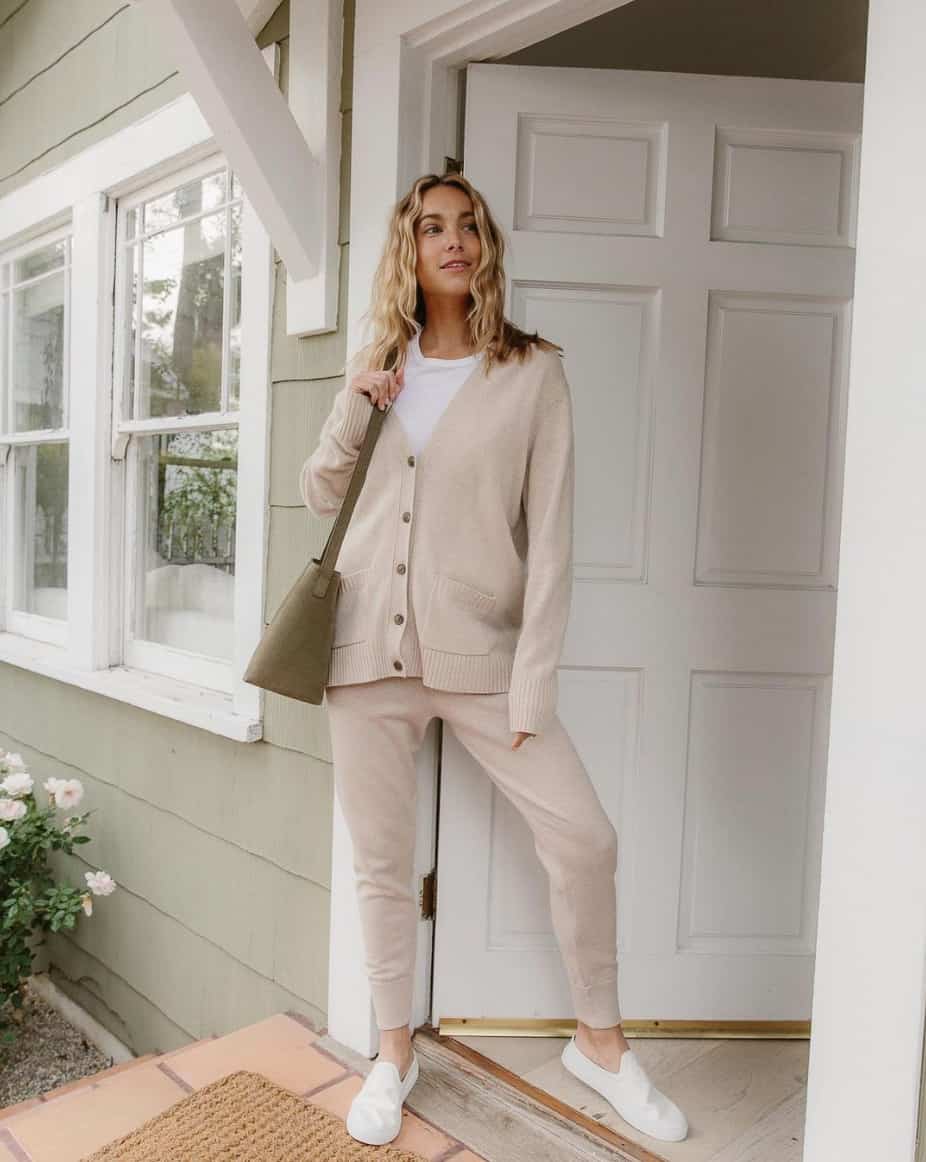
point(177, 395)
point(136, 298)
point(34, 327)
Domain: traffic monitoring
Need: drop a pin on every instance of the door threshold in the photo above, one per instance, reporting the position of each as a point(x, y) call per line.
point(566, 1026)
point(433, 1045)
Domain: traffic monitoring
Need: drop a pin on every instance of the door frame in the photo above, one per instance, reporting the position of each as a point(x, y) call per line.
point(870, 962)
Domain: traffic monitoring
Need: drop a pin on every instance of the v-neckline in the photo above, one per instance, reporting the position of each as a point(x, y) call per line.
point(476, 372)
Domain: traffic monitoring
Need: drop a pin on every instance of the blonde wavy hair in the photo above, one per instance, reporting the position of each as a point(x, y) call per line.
point(397, 303)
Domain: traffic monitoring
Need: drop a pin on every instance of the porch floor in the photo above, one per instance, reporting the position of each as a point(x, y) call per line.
point(67, 1123)
point(745, 1097)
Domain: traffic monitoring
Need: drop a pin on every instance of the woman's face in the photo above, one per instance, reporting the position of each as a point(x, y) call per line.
point(446, 233)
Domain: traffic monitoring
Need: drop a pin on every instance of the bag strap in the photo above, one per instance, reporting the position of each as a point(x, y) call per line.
point(329, 555)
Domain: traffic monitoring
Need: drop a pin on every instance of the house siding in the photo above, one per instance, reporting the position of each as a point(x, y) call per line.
point(72, 75)
point(221, 850)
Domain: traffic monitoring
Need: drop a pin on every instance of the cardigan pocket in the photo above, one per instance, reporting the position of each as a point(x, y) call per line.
point(456, 621)
point(351, 618)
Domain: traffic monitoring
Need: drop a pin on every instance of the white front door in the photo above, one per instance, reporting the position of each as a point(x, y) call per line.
point(689, 241)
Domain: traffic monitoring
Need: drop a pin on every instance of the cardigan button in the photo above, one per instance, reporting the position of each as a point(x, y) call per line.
point(397, 665)
point(398, 619)
point(400, 568)
point(411, 461)
point(406, 516)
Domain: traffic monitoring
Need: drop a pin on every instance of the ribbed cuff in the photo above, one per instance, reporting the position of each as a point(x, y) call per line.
point(392, 1001)
point(597, 1005)
point(353, 425)
point(530, 703)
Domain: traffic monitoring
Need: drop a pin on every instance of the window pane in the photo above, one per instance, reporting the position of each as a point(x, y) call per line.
point(38, 355)
point(130, 329)
point(195, 197)
point(181, 355)
point(41, 529)
point(49, 257)
point(185, 582)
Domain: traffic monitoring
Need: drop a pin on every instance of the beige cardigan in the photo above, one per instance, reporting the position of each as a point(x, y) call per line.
point(476, 531)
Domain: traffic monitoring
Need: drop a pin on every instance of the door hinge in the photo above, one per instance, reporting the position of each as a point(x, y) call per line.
point(429, 895)
point(452, 165)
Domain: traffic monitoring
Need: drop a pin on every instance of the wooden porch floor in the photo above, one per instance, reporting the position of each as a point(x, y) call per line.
point(66, 1124)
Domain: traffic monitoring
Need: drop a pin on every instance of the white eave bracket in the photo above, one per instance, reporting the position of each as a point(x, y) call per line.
point(287, 155)
point(315, 55)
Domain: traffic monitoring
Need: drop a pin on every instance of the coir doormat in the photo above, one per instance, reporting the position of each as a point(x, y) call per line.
point(244, 1117)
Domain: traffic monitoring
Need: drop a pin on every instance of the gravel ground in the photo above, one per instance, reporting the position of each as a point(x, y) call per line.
point(48, 1052)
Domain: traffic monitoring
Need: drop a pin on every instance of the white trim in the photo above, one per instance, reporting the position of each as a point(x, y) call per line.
point(194, 705)
point(153, 657)
point(202, 422)
point(40, 436)
point(53, 630)
point(869, 995)
point(315, 55)
point(253, 519)
point(407, 61)
point(89, 471)
point(160, 144)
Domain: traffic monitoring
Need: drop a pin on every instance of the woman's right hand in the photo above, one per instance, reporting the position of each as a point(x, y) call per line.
point(381, 386)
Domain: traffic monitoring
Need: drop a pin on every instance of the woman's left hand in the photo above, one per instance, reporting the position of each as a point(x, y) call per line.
point(519, 738)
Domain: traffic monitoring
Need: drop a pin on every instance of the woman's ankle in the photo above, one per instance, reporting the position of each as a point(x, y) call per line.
point(396, 1042)
point(400, 1032)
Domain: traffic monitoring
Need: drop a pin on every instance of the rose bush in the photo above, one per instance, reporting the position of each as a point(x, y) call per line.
point(31, 901)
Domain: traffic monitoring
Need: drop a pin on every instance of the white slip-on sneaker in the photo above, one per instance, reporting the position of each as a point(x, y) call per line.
point(631, 1092)
point(375, 1114)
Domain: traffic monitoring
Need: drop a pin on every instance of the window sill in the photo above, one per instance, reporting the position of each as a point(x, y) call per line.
point(196, 706)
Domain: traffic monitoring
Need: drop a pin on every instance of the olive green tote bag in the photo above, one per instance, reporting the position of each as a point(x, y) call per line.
point(294, 654)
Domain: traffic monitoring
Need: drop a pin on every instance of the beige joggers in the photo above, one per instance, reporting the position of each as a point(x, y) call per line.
point(376, 729)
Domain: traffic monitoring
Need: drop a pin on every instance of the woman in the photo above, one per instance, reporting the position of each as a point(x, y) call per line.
point(456, 574)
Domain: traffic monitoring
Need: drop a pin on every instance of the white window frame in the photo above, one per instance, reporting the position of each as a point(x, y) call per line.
point(33, 625)
point(139, 653)
point(80, 195)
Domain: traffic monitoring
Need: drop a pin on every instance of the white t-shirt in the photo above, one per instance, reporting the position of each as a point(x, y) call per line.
point(430, 384)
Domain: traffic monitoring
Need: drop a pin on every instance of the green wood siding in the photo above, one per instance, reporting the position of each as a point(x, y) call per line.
point(73, 74)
